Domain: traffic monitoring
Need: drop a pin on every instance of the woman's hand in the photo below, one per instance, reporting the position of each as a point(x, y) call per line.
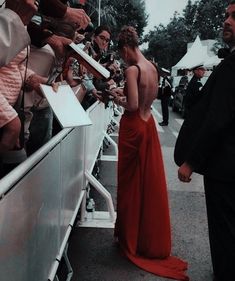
point(34, 81)
point(118, 96)
point(117, 92)
point(59, 44)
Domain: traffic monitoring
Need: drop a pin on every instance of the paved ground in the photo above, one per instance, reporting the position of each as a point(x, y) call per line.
point(94, 256)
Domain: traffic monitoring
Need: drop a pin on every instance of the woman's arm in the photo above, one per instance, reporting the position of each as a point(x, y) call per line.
point(131, 103)
point(14, 37)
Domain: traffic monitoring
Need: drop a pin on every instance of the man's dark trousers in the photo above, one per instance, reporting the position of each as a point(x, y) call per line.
point(165, 110)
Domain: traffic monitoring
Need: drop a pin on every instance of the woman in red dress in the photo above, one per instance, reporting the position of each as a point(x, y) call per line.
point(143, 223)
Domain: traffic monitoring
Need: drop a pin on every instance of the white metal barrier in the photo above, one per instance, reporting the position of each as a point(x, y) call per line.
point(94, 140)
point(40, 199)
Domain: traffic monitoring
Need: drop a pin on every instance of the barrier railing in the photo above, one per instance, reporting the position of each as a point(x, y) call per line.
point(41, 197)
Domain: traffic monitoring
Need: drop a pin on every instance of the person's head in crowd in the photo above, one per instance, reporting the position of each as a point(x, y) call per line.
point(199, 71)
point(229, 25)
point(128, 44)
point(101, 38)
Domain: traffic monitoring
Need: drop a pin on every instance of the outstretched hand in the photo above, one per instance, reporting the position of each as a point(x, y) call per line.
point(59, 44)
point(78, 17)
point(34, 81)
point(117, 92)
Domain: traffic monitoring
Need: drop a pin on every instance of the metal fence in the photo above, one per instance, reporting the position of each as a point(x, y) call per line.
point(40, 200)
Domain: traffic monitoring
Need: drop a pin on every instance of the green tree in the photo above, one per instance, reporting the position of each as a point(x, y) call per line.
point(209, 18)
point(189, 17)
point(132, 12)
point(115, 14)
point(167, 44)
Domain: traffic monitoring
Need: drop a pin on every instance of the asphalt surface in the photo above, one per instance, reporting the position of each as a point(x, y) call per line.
point(95, 257)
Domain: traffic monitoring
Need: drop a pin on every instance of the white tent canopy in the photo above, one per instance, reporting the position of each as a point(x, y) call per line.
point(197, 54)
point(212, 61)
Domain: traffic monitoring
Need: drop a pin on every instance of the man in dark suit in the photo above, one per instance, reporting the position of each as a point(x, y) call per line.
point(165, 95)
point(193, 91)
point(206, 144)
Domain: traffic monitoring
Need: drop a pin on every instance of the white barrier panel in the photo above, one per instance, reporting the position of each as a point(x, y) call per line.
point(40, 198)
point(71, 175)
point(36, 212)
point(95, 133)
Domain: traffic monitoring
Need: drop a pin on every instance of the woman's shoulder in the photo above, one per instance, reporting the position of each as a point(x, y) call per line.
point(153, 64)
point(133, 67)
point(132, 70)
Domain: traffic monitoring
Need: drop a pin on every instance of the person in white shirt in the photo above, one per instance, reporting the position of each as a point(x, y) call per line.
point(14, 36)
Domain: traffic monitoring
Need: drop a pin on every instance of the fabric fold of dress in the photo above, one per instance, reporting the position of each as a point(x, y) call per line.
point(143, 222)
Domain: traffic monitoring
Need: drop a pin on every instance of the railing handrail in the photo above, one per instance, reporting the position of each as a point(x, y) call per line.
point(16, 174)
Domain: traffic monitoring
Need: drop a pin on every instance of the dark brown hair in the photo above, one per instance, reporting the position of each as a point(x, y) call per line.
point(128, 37)
point(102, 28)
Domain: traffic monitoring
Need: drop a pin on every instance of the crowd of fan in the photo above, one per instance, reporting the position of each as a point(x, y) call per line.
point(38, 55)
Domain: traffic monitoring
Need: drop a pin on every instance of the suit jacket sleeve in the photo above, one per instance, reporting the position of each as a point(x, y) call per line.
point(14, 36)
point(53, 8)
point(215, 130)
point(37, 34)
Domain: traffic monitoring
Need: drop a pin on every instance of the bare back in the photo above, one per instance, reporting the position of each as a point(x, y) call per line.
point(146, 86)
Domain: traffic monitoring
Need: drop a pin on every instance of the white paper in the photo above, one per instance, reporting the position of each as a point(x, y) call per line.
point(66, 106)
point(102, 70)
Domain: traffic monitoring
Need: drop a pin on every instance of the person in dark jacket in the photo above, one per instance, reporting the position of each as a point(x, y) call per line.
point(206, 144)
point(193, 91)
point(165, 90)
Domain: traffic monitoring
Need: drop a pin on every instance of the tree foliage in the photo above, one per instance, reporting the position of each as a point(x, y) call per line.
point(209, 19)
point(168, 44)
point(116, 14)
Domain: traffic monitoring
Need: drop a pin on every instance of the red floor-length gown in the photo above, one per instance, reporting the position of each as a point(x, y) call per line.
point(143, 222)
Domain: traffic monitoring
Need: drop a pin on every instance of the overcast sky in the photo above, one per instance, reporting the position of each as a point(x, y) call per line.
point(160, 11)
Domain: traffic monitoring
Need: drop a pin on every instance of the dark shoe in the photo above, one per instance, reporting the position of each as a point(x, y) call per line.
point(163, 124)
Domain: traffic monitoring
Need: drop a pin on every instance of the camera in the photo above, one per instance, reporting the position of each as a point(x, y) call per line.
point(88, 29)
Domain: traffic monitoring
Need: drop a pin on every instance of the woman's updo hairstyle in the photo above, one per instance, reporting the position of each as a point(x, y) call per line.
point(128, 37)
